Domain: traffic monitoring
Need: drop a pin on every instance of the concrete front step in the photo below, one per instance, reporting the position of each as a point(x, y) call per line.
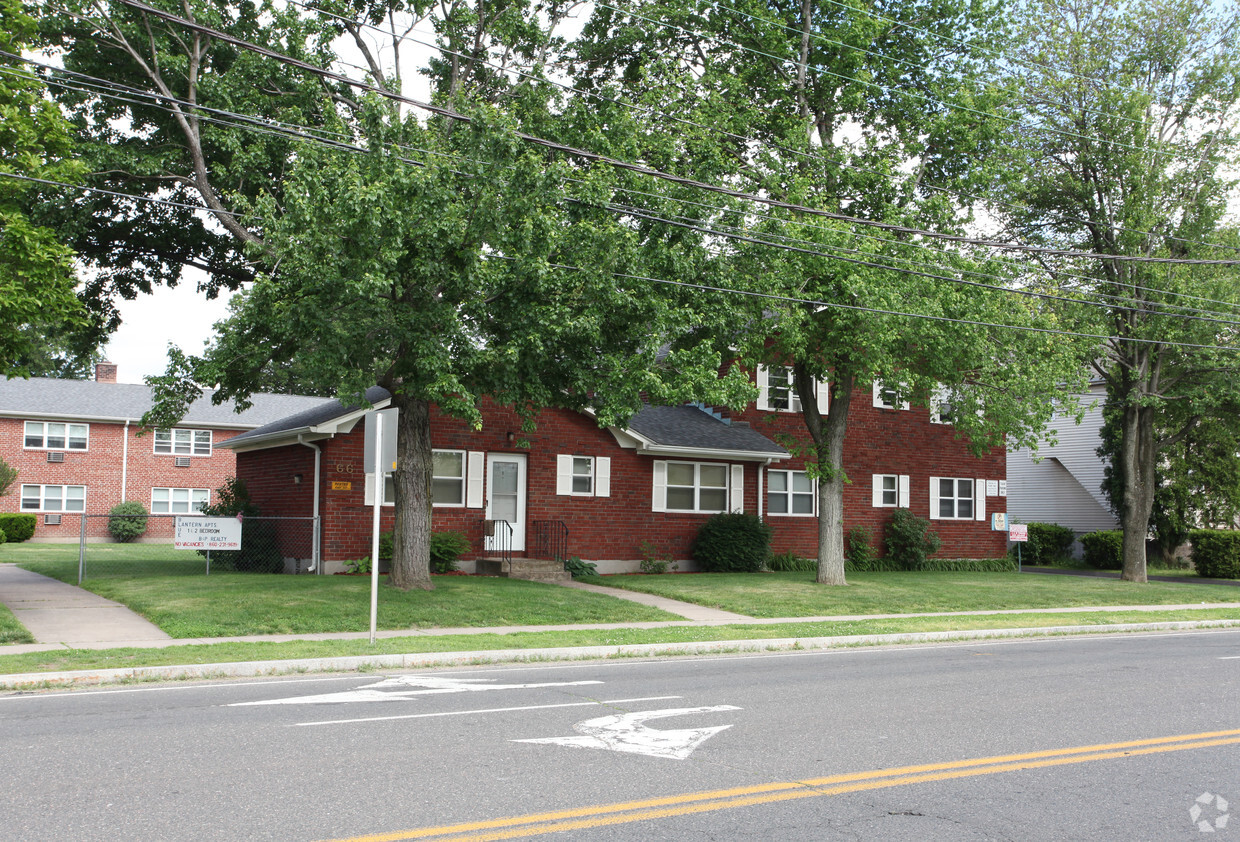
point(533, 569)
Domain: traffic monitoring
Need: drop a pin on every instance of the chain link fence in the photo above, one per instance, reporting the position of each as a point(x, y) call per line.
point(268, 545)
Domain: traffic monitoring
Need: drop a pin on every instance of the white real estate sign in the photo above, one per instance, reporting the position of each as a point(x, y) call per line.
point(207, 533)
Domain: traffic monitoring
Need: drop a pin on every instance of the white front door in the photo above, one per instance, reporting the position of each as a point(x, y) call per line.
point(506, 497)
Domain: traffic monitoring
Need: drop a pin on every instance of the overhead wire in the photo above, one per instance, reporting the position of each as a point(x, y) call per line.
point(645, 170)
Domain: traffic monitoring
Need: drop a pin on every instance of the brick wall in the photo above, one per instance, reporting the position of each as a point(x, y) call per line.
point(100, 468)
point(614, 527)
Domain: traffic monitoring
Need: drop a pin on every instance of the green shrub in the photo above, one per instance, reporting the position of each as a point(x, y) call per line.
point(18, 528)
point(577, 568)
point(733, 543)
point(127, 521)
point(1048, 543)
point(385, 547)
point(231, 499)
point(259, 553)
point(1216, 553)
point(790, 562)
point(357, 565)
point(970, 565)
point(910, 540)
point(861, 553)
point(446, 548)
point(1104, 550)
point(655, 560)
point(3, 538)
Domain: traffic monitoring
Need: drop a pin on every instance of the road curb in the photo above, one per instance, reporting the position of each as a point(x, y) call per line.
point(426, 660)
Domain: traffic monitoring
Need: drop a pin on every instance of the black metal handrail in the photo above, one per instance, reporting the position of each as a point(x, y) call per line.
point(500, 533)
point(551, 540)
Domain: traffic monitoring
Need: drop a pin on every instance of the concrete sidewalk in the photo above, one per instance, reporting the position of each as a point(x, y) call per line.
point(66, 616)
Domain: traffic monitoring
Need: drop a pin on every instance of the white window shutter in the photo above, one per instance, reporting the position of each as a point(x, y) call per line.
point(602, 476)
point(878, 395)
point(876, 489)
point(473, 492)
point(934, 498)
point(902, 491)
point(737, 491)
point(564, 474)
point(369, 494)
point(979, 499)
point(763, 375)
point(823, 388)
point(660, 487)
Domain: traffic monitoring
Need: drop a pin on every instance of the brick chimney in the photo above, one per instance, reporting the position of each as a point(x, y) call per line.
point(105, 372)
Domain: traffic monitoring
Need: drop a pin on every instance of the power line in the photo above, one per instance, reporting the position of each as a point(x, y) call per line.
point(641, 169)
point(255, 124)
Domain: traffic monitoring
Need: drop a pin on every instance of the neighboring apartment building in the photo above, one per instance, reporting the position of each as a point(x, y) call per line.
point(79, 447)
point(1063, 484)
point(654, 481)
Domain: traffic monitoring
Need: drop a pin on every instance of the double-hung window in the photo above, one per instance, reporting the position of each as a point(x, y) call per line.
point(777, 390)
point(179, 501)
point(789, 493)
point(447, 478)
point(53, 498)
point(888, 396)
point(697, 487)
point(179, 442)
point(956, 499)
point(583, 476)
point(54, 435)
point(890, 491)
point(941, 409)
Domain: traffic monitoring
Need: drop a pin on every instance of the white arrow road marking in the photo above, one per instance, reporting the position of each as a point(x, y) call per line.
point(627, 732)
point(421, 685)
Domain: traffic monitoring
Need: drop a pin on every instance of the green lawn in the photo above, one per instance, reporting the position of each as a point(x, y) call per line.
point(12, 631)
point(218, 653)
point(797, 595)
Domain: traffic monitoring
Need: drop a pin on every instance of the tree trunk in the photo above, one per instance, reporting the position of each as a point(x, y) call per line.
point(411, 538)
point(1137, 453)
point(828, 437)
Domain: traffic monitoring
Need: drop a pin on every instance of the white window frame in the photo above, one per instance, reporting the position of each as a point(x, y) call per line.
point(192, 506)
point(788, 494)
point(42, 497)
point(899, 491)
point(766, 375)
point(598, 472)
point(67, 436)
point(472, 466)
point(939, 398)
point(733, 487)
point(977, 497)
point(166, 443)
point(881, 391)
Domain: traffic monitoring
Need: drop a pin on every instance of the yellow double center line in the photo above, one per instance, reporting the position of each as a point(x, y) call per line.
point(725, 799)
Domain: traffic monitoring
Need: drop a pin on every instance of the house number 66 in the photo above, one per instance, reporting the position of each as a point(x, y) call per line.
point(342, 468)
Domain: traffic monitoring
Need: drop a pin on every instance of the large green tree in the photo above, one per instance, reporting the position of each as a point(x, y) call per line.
point(37, 276)
point(844, 115)
point(1126, 147)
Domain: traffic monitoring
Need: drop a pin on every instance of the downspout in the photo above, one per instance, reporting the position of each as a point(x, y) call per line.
point(125, 461)
point(316, 562)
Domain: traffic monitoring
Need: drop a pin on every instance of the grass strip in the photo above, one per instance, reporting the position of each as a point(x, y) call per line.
point(797, 595)
point(217, 653)
point(12, 631)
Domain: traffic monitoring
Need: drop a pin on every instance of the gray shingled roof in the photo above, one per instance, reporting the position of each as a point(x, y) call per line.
point(690, 426)
point(325, 411)
point(88, 400)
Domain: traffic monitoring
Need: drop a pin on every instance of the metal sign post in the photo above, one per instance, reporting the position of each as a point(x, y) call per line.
point(374, 540)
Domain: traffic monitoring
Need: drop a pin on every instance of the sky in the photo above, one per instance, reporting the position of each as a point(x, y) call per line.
point(181, 315)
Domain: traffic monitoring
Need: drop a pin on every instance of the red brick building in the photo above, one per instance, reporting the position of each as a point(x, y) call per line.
point(653, 482)
point(79, 447)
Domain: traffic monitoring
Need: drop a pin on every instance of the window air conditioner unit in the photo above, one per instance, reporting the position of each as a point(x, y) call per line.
point(182, 462)
point(51, 520)
point(55, 456)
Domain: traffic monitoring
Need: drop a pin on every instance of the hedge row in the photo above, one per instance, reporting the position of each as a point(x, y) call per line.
point(1216, 553)
point(17, 528)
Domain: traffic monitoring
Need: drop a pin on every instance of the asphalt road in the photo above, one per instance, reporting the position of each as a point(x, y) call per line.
point(1078, 738)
